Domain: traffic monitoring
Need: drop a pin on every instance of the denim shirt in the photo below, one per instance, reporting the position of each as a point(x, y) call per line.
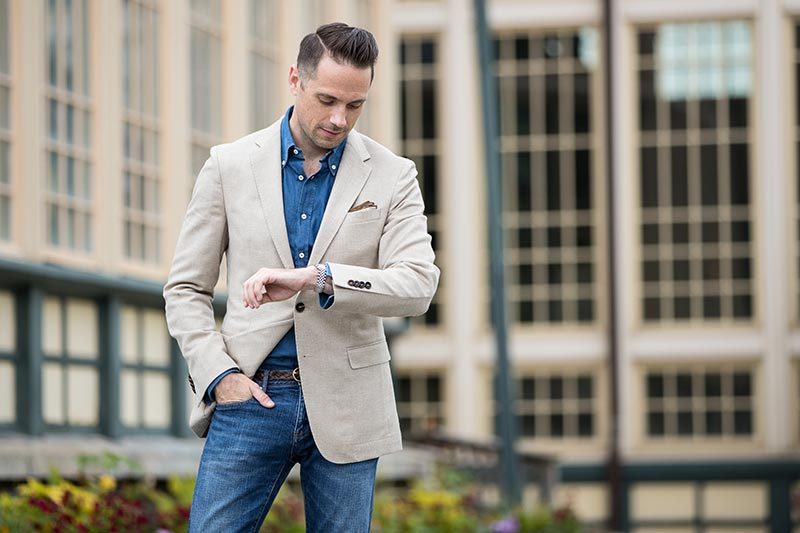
point(304, 202)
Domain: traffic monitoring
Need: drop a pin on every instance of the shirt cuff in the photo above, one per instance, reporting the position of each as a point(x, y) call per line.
point(326, 300)
point(209, 397)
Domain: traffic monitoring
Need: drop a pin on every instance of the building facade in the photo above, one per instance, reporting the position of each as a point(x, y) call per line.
point(108, 109)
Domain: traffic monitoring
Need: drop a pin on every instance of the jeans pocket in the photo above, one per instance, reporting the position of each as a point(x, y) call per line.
point(235, 403)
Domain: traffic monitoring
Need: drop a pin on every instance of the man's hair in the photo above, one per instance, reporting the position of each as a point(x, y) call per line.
point(345, 44)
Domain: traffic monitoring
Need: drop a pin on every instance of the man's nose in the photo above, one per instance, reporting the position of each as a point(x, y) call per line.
point(338, 119)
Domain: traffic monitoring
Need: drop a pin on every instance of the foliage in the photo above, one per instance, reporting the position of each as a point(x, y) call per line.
point(447, 502)
point(96, 503)
point(286, 514)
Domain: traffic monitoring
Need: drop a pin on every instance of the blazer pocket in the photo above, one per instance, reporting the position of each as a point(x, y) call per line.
point(374, 353)
point(370, 213)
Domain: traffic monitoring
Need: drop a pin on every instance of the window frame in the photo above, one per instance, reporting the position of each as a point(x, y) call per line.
point(140, 367)
point(540, 142)
point(422, 147)
point(662, 133)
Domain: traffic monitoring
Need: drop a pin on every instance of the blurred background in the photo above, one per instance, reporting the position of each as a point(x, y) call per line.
point(681, 256)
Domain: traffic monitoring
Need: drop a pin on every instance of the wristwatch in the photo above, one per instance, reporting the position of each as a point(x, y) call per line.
point(321, 275)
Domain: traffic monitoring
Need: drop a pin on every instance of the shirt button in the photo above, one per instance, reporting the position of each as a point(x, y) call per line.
point(300, 178)
point(283, 163)
point(300, 307)
point(333, 167)
point(295, 151)
point(304, 216)
point(301, 255)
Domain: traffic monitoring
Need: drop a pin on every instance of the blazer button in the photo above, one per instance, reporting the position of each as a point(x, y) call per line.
point(368, 285)
point(300, 307)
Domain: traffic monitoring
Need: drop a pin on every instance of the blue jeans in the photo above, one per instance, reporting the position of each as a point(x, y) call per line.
point(247, 456)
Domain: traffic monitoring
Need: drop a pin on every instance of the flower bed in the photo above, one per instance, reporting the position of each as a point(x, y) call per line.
point(100, 503)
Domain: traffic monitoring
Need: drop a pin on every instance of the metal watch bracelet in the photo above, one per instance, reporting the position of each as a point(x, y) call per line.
point(321, 275)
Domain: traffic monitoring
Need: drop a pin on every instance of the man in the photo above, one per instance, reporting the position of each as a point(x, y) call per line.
point(324, 234)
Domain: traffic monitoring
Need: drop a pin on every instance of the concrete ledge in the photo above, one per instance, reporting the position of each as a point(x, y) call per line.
point(159, 456)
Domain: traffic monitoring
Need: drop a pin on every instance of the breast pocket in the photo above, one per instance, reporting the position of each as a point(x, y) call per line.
point(362, 215)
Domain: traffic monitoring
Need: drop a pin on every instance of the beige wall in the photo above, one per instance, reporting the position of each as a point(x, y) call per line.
point(462, 343)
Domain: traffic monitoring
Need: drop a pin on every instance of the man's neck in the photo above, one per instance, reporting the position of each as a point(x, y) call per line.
point(310, 150)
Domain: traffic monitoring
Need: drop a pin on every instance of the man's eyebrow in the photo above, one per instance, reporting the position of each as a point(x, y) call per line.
point(326, 95)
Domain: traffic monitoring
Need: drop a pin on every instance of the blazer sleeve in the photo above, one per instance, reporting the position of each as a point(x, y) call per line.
point(189, 290)
point(406, 278)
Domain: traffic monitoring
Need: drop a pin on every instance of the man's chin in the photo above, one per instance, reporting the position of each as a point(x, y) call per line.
point(328, 144)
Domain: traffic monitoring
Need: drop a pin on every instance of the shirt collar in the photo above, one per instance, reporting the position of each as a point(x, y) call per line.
point(288, 147)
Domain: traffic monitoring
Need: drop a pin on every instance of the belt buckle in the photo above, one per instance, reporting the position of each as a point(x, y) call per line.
point(296, 374)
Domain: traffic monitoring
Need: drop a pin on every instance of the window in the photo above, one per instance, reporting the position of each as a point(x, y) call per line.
point(547, 150)
point(5, 124)
point(68, 191)
point(8, 364)
point(263, 62)
point(699, 504)
point(70, 383)
point(420, 134)
point(141, 198)
point(206, 73)
point(557, 405)
point(694, 100)
point(797, 153)
point(420, 405)
point(713, 402)
point(145, 399)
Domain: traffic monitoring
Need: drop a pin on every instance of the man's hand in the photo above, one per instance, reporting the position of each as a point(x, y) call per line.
point(276, 284)
point(236, 387)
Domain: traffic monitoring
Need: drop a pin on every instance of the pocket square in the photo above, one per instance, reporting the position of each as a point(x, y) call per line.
point(363, 205)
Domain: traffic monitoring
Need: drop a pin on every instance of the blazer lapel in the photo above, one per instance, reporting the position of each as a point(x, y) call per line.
point(265, 161)
point(352, 175)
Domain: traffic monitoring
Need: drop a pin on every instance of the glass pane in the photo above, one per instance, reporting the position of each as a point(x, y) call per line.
point(52, 331)
point(8, 324)
point(82, 395)
point(5, 107)
point(82, 329)
point(4, 37)
point(156, 398)
point(129, 398)
point(8, 397)
point(53, 391)
point(129, 334)
point(156, 338)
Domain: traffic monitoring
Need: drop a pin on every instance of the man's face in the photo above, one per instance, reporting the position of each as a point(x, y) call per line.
point(328, 105)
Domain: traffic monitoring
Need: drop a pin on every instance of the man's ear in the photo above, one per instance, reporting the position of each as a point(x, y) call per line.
point(294, 79)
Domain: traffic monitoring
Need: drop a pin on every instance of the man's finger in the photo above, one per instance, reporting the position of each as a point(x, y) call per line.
point(258, 299)
point(245, 295)
point(261, 396)
point(249, 292)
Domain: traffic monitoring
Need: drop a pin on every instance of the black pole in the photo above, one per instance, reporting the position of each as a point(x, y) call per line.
point(511, 482)
point(614, 467)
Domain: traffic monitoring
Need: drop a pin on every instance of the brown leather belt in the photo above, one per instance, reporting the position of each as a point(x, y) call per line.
point(293, 375)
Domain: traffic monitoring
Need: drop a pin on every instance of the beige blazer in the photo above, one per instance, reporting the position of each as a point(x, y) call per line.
point(237, 210)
